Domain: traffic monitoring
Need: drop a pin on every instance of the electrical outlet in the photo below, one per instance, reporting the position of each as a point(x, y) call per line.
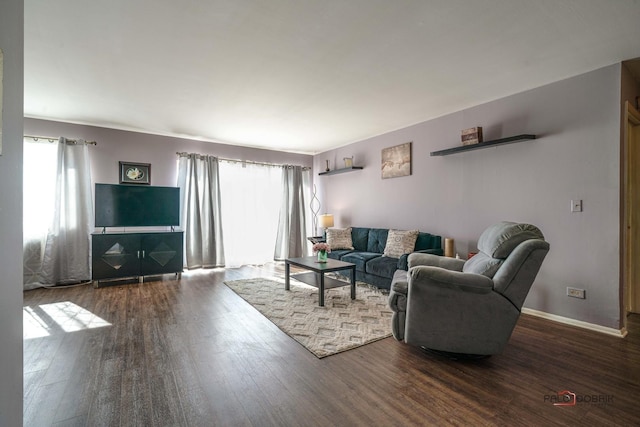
point(576, 293)
point(576, 206)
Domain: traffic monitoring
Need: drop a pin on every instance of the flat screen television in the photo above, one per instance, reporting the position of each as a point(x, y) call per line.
point(136, 206)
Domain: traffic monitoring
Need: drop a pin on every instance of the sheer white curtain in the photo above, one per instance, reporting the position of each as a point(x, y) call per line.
point(58, 213)
point(251, 195)
point(294, 207)
point(200, 218)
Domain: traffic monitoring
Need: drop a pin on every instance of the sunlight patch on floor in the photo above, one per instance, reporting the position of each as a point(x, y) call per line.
point(46, 319)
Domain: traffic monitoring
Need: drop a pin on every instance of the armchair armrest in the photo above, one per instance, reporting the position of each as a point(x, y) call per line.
point(419, 258)
point(425, 276)
point(399, 287)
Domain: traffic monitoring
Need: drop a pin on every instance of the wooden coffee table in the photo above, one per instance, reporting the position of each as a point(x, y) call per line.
point(316, 276)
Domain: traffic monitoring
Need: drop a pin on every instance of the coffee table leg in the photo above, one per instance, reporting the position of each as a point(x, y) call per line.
point(353, 283)
point(287, 268)
point(321, 291)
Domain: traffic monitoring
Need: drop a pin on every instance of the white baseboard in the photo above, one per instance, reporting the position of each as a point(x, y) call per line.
point(620, 333)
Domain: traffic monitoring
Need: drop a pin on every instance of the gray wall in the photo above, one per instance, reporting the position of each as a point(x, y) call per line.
point(116, 145)
point(11, 43)
point(577, 121)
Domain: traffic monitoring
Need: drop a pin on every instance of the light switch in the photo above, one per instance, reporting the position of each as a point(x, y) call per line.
point(576, 206)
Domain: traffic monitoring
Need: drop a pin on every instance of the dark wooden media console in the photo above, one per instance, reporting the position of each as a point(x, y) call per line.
point(135, 255)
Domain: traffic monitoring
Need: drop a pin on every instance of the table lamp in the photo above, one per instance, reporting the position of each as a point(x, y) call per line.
point(326, 221)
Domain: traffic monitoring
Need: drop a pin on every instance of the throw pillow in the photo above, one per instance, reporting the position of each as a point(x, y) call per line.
point(339, 238)
point(400, 242)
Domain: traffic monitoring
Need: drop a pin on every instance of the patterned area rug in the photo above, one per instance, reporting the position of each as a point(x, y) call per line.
point(342, 324)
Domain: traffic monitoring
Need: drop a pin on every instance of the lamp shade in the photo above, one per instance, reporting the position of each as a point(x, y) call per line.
point(326, 220)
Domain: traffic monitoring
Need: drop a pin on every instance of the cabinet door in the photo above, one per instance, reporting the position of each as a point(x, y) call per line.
point(115, 255)
point(162, 253)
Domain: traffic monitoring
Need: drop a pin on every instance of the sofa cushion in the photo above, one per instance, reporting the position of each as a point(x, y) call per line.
point(400, 242)
point(339, 238)
point(338, 254)
point(427, 241)
point(360, 238)
point(500, 239)
point(360, 259)
point(377, 240)
point(382, 266)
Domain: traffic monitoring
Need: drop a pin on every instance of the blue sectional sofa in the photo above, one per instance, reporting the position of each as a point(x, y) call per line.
point(367, 254)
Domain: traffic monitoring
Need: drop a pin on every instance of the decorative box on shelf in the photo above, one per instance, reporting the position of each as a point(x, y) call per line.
point(472, 136)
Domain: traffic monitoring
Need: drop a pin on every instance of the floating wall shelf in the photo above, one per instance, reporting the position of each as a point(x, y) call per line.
point(480, 145)
point(343, 170)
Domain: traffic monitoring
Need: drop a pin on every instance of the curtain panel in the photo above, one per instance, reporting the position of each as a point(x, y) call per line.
point(57, 248)
point(200, 216)
point(291, 240)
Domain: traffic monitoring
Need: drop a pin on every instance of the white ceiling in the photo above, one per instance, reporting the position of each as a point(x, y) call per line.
point(304, 75)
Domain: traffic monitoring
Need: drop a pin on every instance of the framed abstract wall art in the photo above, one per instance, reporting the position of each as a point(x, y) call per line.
point(396, 161)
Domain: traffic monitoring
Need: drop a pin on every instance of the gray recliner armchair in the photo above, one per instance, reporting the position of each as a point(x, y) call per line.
point(468, 307)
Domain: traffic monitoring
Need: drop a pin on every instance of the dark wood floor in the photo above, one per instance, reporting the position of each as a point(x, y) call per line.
point(191, 352)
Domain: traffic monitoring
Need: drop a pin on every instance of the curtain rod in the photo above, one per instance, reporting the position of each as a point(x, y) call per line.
point(54, 139)
point(184, 154)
